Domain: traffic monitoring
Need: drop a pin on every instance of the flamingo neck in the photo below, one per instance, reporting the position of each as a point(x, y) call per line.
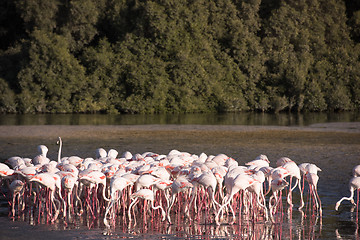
point(59, 152)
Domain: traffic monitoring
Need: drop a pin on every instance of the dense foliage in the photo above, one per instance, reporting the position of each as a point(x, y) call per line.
point(152, 56)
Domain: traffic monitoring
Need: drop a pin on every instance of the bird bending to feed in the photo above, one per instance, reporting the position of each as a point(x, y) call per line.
point(354, 184)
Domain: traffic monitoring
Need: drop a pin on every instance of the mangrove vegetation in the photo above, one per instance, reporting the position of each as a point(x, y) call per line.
point(173, 56)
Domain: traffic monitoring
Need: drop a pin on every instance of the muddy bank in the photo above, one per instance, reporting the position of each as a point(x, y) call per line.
point(234, 140)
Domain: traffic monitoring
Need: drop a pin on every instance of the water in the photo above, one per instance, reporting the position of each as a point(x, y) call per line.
point(334, 152)
point(281, 119)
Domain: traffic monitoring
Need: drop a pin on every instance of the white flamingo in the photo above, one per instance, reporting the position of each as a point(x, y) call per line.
point(354, 184)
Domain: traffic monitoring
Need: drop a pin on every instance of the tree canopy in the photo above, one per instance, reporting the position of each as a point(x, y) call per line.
point(171, 56)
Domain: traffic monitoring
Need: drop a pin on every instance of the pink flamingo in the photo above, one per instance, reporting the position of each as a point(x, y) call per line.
point(259, 161)
point(100, 153)
point(96, 178)
point(309, 172)
point(209, 182)
point(257, 189)
point(145, 194)
point(49, 167)
point(180, 184)
point(313, 179)
point(277, 185)
point(294, 171)
point(69, 168)
point(75, 160)
point(146, 181)
point(220, 159)
point(276, 173)
point(47, 180)
point(164, 186)
point(70, 184)
point(93, 180)
point(117, 184)
point(241, 182)
point(219, 173)
point(17, 189)
point(281, 161)
point(5, 171)
point(160, 172)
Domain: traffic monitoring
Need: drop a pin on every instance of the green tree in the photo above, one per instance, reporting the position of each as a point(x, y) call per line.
point(79, 22)
point(7, 98)
point(287, 45)
point(52, 78)
point(38, 14)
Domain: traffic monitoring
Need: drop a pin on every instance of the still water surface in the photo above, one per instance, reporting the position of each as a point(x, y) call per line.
point(335, 154)
point(281, 119)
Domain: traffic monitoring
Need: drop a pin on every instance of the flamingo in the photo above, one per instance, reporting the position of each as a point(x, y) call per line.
point(117, 184)
point(41, 159)
point(27, 172)
point(281, 161)
point(145, 194)
point(309, 172)
point(293, 171)
point(240, 182)
point(220, 159)
point(356, 171)
point(313, 179)
point(47, 180)
point(112, 153)
point(49, 167)
point(97, 178)
point(17, 189)
point(69, 168)
point(275, 173)
point(146, 181)
point(164, 186)
point(354, 184)
point(259, 161)
point(219, 173)
point(59, 142)
point(15, 162)
point(180, 184)
point(277, 185)
point(209, 182)
point(160, 172)
point(70, 184)
point(257, 189)
point(5, 171)
point(74, 160)
point(127, 155)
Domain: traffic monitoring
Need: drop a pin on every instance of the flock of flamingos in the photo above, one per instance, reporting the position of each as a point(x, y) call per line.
point(162, 186)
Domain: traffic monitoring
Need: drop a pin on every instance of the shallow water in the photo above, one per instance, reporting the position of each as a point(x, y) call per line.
point(334, 152)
